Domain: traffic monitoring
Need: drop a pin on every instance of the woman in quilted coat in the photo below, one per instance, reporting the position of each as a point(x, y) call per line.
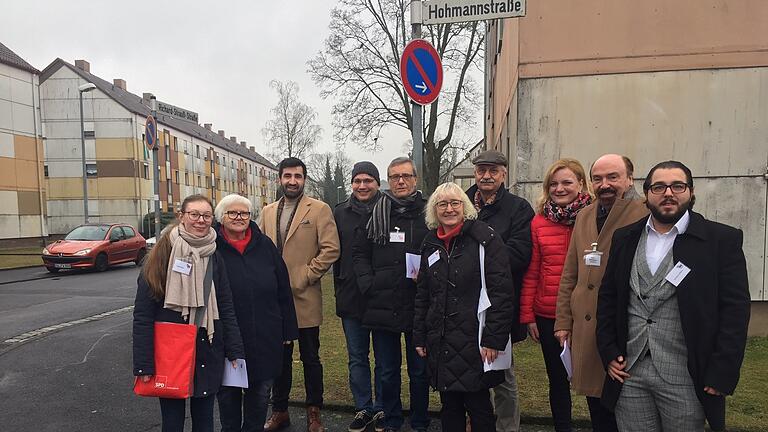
point(446, 324)
point(564, 193)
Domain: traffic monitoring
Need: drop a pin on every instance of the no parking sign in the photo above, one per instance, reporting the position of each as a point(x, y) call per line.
point(421, 71)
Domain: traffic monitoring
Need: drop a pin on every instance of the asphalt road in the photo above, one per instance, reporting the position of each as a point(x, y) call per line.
point(65, 360)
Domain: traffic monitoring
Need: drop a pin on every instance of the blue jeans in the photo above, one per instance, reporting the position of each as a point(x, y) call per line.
point(173, 412)
point(358, 348)
point(387, 350)
point(244, 409)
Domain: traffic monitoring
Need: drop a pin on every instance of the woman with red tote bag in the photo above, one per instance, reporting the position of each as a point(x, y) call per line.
point(172, 288)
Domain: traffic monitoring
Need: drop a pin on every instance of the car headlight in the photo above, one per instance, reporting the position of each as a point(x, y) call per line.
point(82, 252)
point(45, 251)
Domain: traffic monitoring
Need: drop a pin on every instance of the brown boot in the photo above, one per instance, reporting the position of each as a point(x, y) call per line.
point(313, 420)
point(278, 420)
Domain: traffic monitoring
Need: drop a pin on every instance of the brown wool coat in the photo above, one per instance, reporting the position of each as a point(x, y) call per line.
point(579, 284)
point(311, 247)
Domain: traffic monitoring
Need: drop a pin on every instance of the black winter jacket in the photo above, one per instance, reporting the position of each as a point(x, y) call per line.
point(510, 216)
point(448, 293)
point(209, 357)
point(350, 303)
point(380, 272)
point(261, 292)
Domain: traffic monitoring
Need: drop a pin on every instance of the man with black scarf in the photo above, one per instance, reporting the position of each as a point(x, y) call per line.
point(396, 228)
point(350, 304)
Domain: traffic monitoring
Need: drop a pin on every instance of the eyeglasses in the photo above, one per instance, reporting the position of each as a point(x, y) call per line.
point(442, 205)
point(397, 177)
point(661, 188)
point(207, 217)
point(234, 215)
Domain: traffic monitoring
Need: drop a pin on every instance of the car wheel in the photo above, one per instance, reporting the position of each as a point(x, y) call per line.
point(101, 262)
point(52, 269)
point(140, 257)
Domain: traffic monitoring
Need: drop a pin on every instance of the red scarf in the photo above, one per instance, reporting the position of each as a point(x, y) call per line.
point(446, 237)
point(239, 245)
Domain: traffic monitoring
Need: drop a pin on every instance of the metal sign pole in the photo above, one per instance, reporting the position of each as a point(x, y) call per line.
point(416, 109)
point(156, 168)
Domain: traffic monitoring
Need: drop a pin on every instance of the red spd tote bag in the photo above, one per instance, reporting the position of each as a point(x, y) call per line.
point(175, 347)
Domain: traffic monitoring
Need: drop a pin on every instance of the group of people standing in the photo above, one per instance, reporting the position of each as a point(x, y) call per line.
point(459, 278)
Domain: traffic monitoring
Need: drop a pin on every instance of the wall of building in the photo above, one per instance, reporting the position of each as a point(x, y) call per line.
point(654, 80)
point(22, 188)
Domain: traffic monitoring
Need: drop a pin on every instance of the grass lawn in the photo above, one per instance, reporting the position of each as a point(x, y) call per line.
point(747, 410)
point(9, 260)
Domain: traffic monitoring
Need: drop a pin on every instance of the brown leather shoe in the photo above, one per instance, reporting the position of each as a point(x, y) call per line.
point(278, 420)
point(313, 420)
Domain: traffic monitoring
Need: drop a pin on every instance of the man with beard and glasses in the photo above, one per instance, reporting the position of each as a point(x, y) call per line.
point(393, 234)
point(672, 312)
point(305, 233)
point(350, 304)
point(510, 216)
point(617, 205)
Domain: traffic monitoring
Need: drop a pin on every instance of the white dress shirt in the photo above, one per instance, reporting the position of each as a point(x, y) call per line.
point(659, 244)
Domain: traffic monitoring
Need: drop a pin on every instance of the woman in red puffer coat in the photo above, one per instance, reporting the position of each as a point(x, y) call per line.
point(564, 193)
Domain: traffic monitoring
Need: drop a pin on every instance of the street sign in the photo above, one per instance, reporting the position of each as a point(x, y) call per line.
point(421, 71)
point(150, 132)
point(452, 11)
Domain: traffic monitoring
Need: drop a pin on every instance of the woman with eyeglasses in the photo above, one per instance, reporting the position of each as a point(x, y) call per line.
point(446, 324)
point(170, 289)
point(261, 292)
point(564, 193)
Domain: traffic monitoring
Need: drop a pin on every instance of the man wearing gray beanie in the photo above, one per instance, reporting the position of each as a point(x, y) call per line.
point(350, 305)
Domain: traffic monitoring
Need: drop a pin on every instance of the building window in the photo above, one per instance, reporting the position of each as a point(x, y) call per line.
point(91, 171)
point(197, 151)
point(186, 147)
point(170, 190)
point(168, 153)
point(45, 170)
point(217, 158)
point(199, 183)
point(177, 176)
point(89, 134)
point(175, 144)
point(145, 172)
point(207, 182)
point(186, 178)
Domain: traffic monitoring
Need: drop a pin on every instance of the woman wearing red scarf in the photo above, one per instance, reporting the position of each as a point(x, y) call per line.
point(263, 302)
point(446, 324)
point(564, 194)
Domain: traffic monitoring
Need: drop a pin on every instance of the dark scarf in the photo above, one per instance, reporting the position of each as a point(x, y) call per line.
point(378, 224)
point(363, 208)
point(478, 199)
point(280, 235)
point(566, 215)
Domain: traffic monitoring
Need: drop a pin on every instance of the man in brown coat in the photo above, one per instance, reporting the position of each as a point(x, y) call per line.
point(304, 231)
point(617, 205)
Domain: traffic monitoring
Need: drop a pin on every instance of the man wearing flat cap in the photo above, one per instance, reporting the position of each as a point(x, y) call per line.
point(510, 216)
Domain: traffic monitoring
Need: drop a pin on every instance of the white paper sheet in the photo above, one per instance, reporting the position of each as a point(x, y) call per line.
point(504, 359)
point(412, 264)
point(565, 357)
point(235, 377)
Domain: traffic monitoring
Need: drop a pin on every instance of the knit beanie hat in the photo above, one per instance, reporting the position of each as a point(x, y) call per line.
point(366, 167)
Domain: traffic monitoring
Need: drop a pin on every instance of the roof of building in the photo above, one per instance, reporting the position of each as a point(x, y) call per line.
point(12, 59)
point(135, 104)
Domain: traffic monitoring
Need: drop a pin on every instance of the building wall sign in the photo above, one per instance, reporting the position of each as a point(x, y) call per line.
point(452, 11)
point(174, 111)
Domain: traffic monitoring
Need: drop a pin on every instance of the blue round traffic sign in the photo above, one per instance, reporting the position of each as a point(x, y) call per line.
point(421, 71)
point(150, 132)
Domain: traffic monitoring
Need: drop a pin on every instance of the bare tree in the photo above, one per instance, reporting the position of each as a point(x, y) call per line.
point(359, 68)
point(291, 132)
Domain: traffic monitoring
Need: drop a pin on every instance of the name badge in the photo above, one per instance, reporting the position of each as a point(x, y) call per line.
point(435, 257)
point(396, 237)
point(677, 274)
point(182, 267)
point(593, 258)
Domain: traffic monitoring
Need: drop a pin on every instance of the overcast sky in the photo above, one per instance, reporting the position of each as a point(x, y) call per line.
point(214, 58)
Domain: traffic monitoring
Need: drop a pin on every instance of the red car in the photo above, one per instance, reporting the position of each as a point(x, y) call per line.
point(95, 246)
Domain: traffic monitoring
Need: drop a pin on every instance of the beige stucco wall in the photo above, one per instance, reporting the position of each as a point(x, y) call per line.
point(591, 37)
